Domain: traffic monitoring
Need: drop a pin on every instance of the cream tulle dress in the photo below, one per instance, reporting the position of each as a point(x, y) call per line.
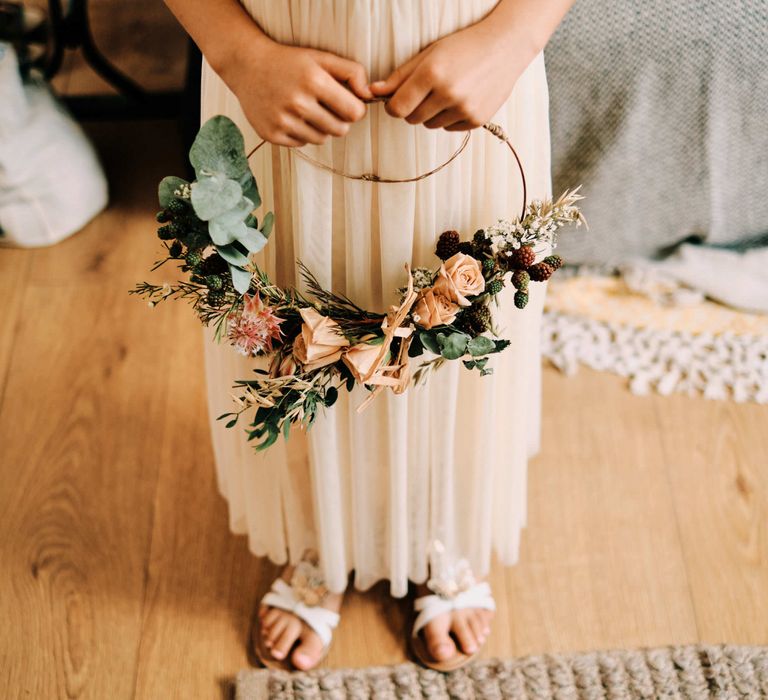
point(446, 461)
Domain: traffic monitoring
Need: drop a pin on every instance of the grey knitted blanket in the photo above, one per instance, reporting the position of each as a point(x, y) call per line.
point(700, 672)
point(661, 109)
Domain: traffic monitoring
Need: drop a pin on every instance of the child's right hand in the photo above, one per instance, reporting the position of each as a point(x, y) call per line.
point(293, 96)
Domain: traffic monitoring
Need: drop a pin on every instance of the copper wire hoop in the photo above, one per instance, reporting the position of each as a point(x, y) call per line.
point(490, 127)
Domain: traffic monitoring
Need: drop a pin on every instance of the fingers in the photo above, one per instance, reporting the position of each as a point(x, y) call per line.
point(428, 109)
point(413, 91)
point(302, 132)
point(325, 121)
point(347, 71)
point(343, 103)
point(380, 88)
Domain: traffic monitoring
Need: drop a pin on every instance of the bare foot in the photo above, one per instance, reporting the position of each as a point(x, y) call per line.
point(464, 630)
point(285, 634)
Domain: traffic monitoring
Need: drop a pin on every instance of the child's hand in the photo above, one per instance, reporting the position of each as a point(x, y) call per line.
point(293, 96)
point(459, 82)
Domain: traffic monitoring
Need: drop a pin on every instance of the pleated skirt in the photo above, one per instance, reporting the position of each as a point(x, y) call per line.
point(445, 462)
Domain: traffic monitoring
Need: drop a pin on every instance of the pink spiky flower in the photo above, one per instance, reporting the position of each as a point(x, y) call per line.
point(253, 329)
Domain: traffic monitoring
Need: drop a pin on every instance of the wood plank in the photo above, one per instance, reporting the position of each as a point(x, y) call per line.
point(717, 456)
point(14, 268)
point(601, 562)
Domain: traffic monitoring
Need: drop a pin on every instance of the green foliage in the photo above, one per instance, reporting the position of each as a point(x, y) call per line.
point(453, 345)
point(219, 149)
point(167, 187)
point(480, 345)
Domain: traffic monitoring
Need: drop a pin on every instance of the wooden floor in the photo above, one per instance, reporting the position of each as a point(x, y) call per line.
point(119, 579)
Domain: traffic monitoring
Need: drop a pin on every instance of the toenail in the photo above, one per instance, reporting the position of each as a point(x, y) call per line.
point(487, 631)
point(278, 654)
point(471, 648)
point(303, 659)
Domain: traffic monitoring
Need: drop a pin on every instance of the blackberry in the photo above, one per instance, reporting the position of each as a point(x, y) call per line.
point(489, 264)
point(466, 247)
point(522, 258)
point(177, 207)
point(447, 245)
point(480, 317)
point(214, 282)
point(166, 233)
point(555, 261)
point(215, 298)
point(162, 216)
point(541, 272)
point(194, 258)
point(521, 299)
point(494, 287)
point(479, 237)
point(520, 278)
point(175, 250)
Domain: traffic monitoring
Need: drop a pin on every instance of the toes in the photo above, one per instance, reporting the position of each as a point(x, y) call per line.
point(464, 634)
point(307, 655)
point(486, 616)
point(287, 639)
point(477, 626)
point(271, 616)
point(272, 634)
point(437, 635)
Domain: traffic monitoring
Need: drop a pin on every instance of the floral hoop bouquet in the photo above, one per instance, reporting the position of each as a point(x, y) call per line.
point(319, 342)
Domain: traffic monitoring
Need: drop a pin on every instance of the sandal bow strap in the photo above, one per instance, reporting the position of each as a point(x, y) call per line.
point(321, 620)
point(430, 606)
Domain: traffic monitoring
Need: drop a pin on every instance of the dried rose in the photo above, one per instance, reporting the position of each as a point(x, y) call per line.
point(320, 341)
point(433, 309)
point(460, 276)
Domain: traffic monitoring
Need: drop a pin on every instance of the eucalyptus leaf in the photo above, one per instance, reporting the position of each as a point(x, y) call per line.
point(253, 240)
point(429, 342)
point(215, 195)
point(250, 189)
point(266, 225)
point(165, 191)
point(232, 254)
point(241, 279)
point(219, 149)
point(452, 346)
point(480, 345)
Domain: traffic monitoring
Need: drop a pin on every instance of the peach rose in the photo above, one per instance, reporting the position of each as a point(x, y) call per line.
point(360, 358)
point(433, 309)
point(460, 276)
point(320, 341)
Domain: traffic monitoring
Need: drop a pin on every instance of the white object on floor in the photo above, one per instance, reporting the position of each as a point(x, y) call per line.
point(51, 182)
point(717, 366)
point(734, 278)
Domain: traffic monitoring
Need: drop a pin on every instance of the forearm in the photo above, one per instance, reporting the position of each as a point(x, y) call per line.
point(528, 23)
point(220, 28)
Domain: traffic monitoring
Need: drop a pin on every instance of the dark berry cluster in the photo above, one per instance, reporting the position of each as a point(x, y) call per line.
point(189, 240)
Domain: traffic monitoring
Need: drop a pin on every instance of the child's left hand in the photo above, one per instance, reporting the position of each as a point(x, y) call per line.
point(460, 81)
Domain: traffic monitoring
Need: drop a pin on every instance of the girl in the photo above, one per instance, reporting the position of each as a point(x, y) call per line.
point(427, 485)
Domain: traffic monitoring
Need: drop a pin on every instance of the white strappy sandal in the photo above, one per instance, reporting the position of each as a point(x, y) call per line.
point(302, 597)
point(454, 588)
